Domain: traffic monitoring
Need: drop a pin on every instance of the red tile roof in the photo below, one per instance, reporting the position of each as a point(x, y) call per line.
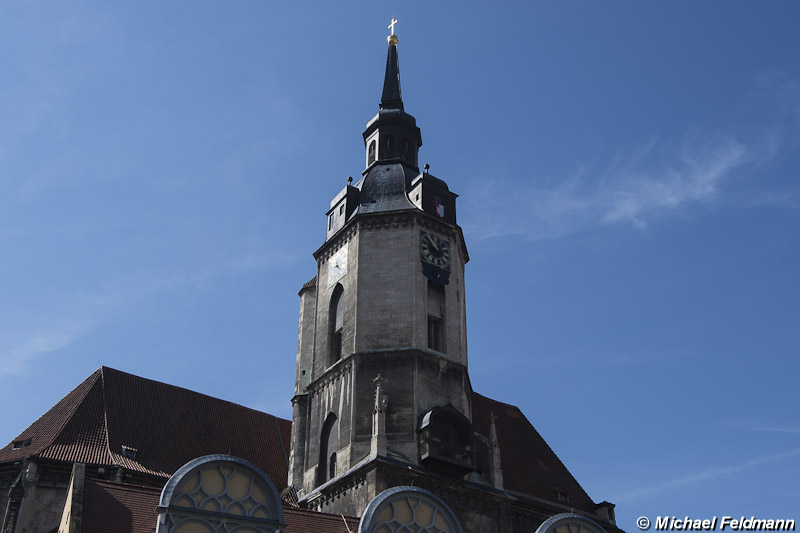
point(166, 425)
point(109, 506)
point(529, 465)
point(310, 284)
point(305, 521)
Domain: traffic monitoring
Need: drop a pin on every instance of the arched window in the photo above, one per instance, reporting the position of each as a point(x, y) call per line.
point(328, 444)
point(336, 322)
point(406, 151)
point(436, 317)
point(387, 151)
point(220, 489)
point(408, 508)
point(371, 153)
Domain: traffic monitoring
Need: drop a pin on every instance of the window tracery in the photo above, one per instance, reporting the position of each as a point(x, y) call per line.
point(219, 494)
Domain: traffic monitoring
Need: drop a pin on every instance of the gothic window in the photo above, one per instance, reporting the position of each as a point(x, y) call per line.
point(407, 508)
point(336, 322)
point(387, 151)
point(371, 153)
point(436, 317)
point(328, 444)
point(569, 522)
point(217, 494)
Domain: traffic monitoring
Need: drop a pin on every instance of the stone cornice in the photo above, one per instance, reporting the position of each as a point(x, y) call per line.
point(390, 219)
point(389, 357)
point(334, 373)
point(332, 246)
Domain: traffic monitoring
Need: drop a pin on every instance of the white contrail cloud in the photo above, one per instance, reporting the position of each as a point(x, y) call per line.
point(705, 475)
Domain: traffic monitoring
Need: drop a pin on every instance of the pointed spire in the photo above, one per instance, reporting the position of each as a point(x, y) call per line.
point(391, 97)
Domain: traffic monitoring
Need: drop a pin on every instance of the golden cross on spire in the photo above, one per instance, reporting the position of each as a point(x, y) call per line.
point(392, 38)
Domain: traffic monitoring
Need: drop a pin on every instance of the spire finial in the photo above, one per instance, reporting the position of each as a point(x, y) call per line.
point(392, 38)
point(391, 98)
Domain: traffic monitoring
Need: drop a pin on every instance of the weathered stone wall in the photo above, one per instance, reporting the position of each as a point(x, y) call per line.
point(332, 394)
point(43, 501)
point(322, 337)
point(384, 308)
point(387, 299)
point(305, 339)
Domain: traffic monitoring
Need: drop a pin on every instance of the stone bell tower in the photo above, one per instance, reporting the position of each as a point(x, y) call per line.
point(382, 387)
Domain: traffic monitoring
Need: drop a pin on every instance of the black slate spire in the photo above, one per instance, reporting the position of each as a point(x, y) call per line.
point(391, 98)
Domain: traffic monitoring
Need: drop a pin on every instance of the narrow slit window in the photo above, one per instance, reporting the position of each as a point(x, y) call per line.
point(336, 319)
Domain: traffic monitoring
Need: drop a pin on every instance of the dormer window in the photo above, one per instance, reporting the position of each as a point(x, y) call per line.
point(19, 444)
point(129, 452)
point(371, 153)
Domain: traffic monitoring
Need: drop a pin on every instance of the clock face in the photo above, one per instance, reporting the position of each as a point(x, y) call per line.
point(435, 250)
point(337, 267)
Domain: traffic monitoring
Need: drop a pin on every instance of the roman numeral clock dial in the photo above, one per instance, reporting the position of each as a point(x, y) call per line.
point(435, 255)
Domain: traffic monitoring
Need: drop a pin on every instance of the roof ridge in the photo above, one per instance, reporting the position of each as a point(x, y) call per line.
point(71, 402)
point(192, 391)
point(96, 374)
point(106, 429)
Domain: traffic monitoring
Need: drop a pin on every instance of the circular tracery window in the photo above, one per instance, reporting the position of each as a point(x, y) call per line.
point(570, 523)
point(408, 509)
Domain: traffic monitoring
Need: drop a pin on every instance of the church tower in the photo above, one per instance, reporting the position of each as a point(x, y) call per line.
point(382, 348)
point(383, 413)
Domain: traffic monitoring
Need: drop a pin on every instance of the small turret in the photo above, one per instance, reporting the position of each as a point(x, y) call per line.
point(392, 135)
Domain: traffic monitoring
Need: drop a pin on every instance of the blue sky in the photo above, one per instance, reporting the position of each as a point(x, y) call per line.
point(628, 179)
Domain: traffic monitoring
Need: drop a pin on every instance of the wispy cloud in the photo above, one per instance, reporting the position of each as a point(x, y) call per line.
point(638, 186)
point(709, 474)
point(630, 190)
point(15, 359)
point(693, 177)
point(749, 425)
point(588, 361)
point(95, 307)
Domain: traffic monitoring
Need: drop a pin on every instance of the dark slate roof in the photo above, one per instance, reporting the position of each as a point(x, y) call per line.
point(166, 425)
point(119, 507)
point(391, 97)
point(122, 507)
point(383, 188)
point(529, 465)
